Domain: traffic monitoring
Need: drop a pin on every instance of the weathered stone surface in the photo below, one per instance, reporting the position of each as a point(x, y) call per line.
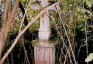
point(44, 51)
point(44, 55)
point(44, 43)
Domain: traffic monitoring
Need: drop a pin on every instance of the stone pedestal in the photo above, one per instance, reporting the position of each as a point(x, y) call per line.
point(44, 55)
point(44, 51)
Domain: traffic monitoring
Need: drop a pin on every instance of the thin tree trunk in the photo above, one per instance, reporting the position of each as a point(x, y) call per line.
point(6, 24)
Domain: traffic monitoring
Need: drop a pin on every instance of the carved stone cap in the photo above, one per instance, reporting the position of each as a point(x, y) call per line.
point(44, 43)
point(35, 6)
point(38, 6)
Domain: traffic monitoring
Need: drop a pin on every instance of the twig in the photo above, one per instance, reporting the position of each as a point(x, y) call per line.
point(86, 41)
point(67, 49)
point(65, 58)
point(24, 16)
point(67, 36)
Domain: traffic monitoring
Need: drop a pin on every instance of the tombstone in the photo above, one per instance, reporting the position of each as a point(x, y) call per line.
point(44, 49)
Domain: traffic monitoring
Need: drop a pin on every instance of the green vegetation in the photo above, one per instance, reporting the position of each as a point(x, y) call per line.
point(76, 26)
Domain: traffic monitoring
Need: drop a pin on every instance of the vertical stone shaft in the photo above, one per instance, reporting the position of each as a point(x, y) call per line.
point(44, 31)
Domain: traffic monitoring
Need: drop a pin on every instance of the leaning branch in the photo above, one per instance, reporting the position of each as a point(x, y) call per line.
point(29, 24)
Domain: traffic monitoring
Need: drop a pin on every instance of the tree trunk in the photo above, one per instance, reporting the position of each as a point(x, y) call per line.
point(6, 23)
